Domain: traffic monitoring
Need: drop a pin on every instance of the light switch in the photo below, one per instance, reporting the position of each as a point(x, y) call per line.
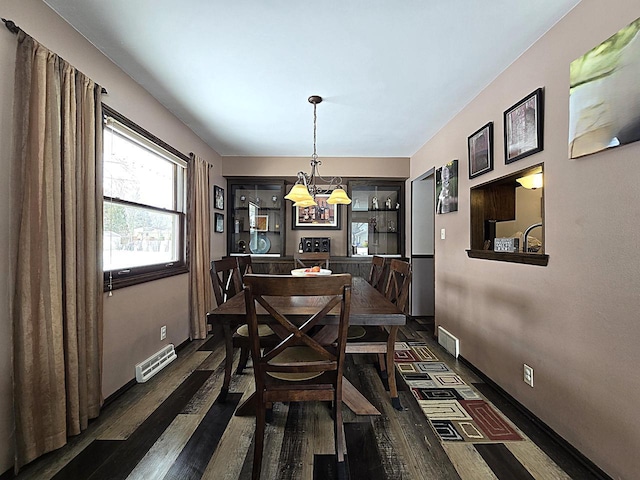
point(442, 234)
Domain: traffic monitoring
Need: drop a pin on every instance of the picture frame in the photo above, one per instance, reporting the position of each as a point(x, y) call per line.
point(219, 223)
point(602, 87)
point(523, 127)
point(446, 192)
point(262, 223)
point(480, 148)
point(324, 216)
point(218, 196)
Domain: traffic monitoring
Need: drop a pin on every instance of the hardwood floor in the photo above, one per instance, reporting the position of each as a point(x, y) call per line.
point(174, 427)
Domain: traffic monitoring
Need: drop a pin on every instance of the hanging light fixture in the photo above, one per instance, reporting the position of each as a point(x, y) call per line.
point(531, 181)
point(304, 192)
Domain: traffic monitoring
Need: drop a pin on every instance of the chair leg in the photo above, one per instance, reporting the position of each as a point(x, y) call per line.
point(258, 440)
point(382, 363)
point(393, 388)
point(242, 363)
point(340, 440)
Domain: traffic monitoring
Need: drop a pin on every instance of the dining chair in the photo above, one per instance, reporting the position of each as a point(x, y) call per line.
point(376, 274)
point(376, 340)
point(299, 368)
point(311, 259)
point(227, 282)
point(244, 265)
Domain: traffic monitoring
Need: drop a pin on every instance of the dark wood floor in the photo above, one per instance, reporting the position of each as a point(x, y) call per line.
point(174, 427)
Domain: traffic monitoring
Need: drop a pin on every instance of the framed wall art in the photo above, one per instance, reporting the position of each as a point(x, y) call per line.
point(523, 127)
point(322, 216)
point(447, 188)
point(218, 193)
point(604, 94)
point(480, 147)
point(219, 220)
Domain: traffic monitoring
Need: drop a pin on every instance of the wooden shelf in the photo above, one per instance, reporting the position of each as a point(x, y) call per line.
point(526, 258)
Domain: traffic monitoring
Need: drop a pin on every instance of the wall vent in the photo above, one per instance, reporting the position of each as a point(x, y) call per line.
point(450, 343)
point(156, 362)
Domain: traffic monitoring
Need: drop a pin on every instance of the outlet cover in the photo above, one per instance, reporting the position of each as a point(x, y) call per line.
point(443, 234)
point(528, 375)
point(163, 332)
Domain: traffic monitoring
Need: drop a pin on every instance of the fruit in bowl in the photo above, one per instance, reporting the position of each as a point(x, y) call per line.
point(312, 269)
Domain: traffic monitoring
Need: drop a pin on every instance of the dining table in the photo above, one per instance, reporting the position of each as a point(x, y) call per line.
point(369, 308)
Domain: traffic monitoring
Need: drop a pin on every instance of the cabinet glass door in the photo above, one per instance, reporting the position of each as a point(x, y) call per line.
point(256, 219)
point(376, 219)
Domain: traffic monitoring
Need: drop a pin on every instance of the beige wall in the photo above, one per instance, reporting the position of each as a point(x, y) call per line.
point(575, 321)
point(132, 316)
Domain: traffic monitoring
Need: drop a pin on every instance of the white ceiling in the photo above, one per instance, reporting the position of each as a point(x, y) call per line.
point(239, 72)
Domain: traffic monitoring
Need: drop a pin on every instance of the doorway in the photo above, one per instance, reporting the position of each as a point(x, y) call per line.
point(422, 245)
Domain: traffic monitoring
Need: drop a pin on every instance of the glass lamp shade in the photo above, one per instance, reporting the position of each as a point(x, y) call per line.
point(339, 196)
point(531, 181)
point(305, 203)
point(299, 193)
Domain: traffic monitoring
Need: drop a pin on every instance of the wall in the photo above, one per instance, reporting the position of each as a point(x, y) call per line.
point(576, 320)
point(361, 167)
point(132, 316)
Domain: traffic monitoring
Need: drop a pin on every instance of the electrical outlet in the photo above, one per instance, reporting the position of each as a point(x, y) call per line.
point(443, 234)
point(163, 332)
point(528, 375)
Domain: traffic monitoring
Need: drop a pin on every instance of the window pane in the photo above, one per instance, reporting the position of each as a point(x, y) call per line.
point(135, 237)
point(136, 174)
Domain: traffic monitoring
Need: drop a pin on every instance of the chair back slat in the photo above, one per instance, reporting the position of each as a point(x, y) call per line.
point(225, 279)
point(244, 265)
point(398, 282)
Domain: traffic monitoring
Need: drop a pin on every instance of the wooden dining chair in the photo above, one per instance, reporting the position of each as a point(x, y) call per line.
point(226, 280)
point(376, 274)
point(378, 340)
point(299, 368)
point(244, 265)
point(311, 259)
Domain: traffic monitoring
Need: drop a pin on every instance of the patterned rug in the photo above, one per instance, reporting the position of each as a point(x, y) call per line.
point(455, 410)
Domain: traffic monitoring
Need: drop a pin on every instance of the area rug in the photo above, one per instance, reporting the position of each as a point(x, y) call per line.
point(455, 410)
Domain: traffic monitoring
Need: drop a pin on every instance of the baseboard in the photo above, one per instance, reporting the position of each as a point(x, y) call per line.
point(570, 449)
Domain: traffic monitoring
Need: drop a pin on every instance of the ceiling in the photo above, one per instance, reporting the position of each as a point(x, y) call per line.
point(238, 73)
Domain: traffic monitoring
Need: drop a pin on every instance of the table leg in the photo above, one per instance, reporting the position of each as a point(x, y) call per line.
point(228, 362)
point(391, 369)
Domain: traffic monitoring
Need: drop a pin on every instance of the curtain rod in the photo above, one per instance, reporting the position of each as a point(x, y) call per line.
point(13, 28)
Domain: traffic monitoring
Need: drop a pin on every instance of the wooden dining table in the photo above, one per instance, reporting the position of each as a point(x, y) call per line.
point(368, 308)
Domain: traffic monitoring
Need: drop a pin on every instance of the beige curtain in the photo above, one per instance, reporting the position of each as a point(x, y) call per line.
point(199, 233)
point(57, 305)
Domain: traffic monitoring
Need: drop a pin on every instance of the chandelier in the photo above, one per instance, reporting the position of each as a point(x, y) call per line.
point(304, 192)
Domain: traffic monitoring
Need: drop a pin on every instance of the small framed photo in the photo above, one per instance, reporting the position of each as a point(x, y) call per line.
point(523, 125)
point(325, 216)
point(219, 227)
point(262, 223)
point(219, 197)
point(480, 146)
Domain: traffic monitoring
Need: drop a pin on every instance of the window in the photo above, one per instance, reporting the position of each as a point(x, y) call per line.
point(144, 205)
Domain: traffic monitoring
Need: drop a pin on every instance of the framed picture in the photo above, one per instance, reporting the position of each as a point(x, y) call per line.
point(321, 216)
point(219, 197)
point(219, 218)
point(604, 93)
point(262, 223)
point(523, 127)
point(447, 188)
point(480, 146)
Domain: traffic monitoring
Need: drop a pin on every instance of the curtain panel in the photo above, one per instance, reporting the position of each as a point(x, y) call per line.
point(57, 203)
point(199, 244)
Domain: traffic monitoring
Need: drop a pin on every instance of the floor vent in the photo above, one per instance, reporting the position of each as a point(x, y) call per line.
point(156, 362)
point(450, 343)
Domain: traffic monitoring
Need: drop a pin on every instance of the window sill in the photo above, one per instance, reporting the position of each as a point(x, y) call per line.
point(136, 279)
point(526, 258)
